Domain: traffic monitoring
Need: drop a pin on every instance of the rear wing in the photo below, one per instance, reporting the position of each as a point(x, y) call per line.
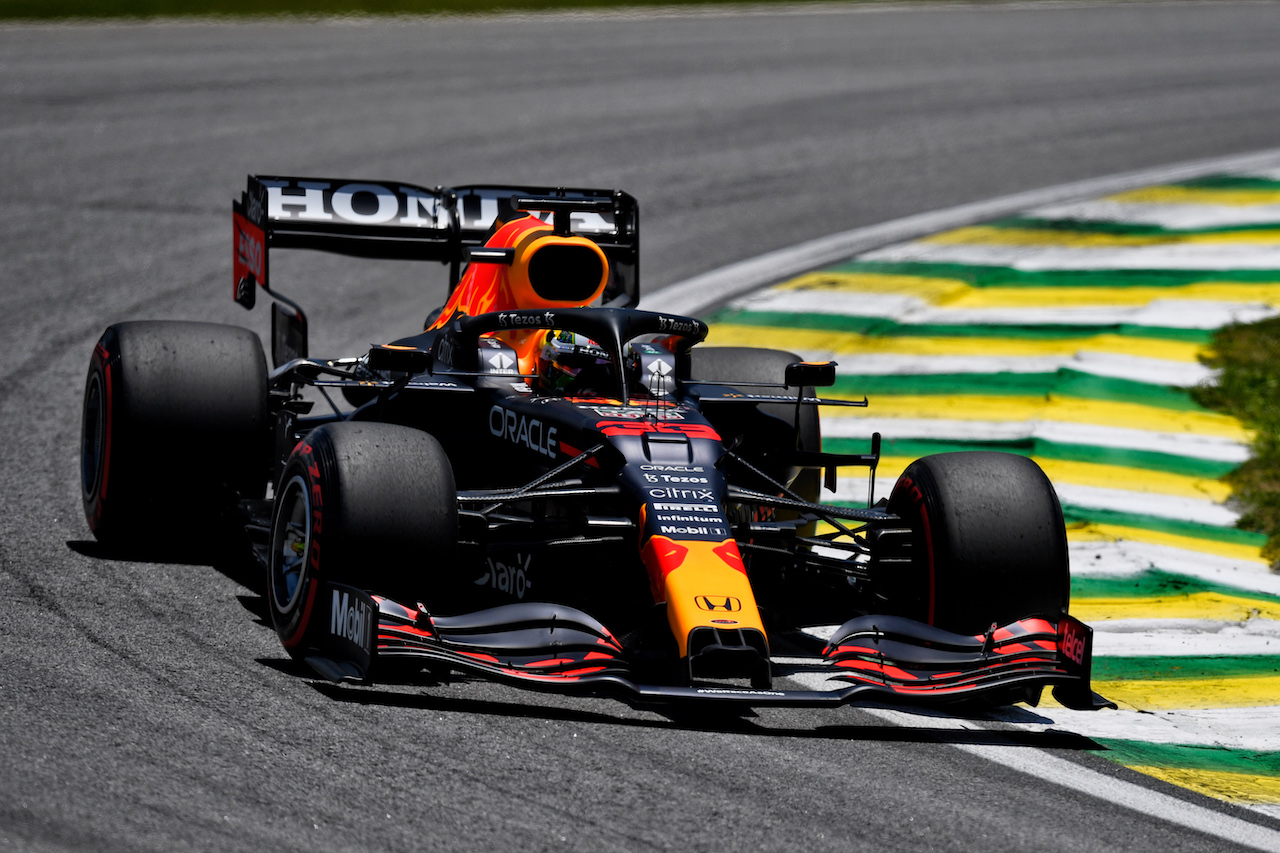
point(399, 221)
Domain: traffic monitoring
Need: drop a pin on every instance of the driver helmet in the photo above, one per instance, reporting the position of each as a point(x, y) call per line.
point(572, 363)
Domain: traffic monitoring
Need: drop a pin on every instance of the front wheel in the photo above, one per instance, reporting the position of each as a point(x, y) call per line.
point(366, 505)
point(988, 543)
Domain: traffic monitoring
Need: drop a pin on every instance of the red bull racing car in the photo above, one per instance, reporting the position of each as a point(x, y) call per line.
point(550, 487)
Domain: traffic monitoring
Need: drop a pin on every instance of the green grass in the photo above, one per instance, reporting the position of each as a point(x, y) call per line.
point(1248, 357)
point(54, 9)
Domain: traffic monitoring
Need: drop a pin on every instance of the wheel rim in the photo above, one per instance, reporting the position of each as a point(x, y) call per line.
point(290, 544)
point(91, 436)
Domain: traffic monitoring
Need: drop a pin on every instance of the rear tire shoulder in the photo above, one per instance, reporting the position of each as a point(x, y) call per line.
point(752, 364)
point(160, 394)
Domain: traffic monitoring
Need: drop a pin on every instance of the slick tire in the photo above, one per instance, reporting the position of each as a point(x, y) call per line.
point(368, 505)
point(988, 543)
point(164, 396)
point(748, 364)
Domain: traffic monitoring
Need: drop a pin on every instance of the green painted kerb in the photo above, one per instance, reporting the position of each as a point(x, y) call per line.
point(1145, 460)
point(881, 327)
point(1185, 668)
point(1153, 583)
point(1208, 758)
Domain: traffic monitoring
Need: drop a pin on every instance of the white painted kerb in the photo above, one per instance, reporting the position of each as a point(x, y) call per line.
point(695, 295)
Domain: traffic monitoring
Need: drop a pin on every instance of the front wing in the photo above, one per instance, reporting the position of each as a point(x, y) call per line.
point(552, 647)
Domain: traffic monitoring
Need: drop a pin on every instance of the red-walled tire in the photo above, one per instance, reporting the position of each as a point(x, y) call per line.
point(988, 543)
point(164, 395)
point(368, 505)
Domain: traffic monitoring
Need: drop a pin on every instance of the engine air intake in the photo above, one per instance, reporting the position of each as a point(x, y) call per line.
point(566, 272)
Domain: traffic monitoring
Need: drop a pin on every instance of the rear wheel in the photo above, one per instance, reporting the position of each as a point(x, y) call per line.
point(767, 426)
point(161, 394)
point(988, 543)
point(367, 505)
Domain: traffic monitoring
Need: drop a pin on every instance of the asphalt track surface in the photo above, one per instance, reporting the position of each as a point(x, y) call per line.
point(147, 706)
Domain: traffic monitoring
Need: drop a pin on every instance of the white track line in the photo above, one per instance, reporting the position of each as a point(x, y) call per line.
point(1154, 371)
point(695, 295)
point(1176, 637)
point(910, 310)
point(1146, 503)
point(1248, 729)
point(1127, 557)
point(1173, 256)
point(854, 489)
point(1043, 765)
point(1230, 728)
point(1172, 216)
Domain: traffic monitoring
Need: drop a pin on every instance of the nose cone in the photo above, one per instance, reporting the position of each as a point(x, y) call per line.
point(710, 607)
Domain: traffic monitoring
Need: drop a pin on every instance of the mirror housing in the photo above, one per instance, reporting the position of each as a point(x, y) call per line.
point(818, 374)
point(402, 359)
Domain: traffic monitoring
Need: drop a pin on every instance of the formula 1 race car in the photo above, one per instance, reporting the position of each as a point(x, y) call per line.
point(552, 488)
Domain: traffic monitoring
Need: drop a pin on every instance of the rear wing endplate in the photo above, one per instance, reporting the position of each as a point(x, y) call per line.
point(394, 220)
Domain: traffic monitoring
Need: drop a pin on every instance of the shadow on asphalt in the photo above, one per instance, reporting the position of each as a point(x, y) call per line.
point(229, 554)
point(237, 564)
point(744, 722)
point(232, 558)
